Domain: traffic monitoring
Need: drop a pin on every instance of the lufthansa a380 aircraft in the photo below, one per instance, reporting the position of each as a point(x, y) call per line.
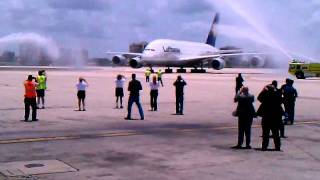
point(174, 53)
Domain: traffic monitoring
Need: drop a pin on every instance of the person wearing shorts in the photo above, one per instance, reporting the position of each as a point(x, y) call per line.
point(119, 90)
point(81, 94)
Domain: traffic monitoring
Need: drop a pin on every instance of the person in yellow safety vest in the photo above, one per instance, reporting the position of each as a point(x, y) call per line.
point(30, 99)
point(41, 87)
point(147, 74)
point(159, 74)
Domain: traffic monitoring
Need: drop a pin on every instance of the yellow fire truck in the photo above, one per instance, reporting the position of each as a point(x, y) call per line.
point(303, 70)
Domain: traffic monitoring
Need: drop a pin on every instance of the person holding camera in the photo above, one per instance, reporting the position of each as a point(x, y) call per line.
point(245, 112)
point(30, 98)
point(179, 84)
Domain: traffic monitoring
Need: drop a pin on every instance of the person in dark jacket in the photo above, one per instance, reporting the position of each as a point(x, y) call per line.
point(134, 97)
point(271, 112)
point(281, 125)
point(289, 99)
point(245, 112)
point(179, 84)
point(239, 83)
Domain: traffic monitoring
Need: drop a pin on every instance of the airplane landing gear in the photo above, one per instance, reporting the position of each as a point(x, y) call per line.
point(181, 70)
point(198, 71)
point(168, 70)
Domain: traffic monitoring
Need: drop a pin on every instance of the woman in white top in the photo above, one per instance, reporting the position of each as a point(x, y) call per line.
point(154, 86)
point(119, 89)
point(81, 87)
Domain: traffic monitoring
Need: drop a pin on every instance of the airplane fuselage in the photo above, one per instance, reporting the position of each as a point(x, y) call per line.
point(170, 52)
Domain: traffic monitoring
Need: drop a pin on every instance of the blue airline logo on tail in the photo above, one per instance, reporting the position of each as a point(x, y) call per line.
point(211, 40)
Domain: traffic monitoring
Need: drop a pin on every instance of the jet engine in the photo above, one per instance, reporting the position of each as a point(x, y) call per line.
point(118, 60)
point(218, 63)
point(135, 63)
point(257, 61)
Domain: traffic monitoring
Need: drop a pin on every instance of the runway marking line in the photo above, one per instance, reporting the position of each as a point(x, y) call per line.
point(129, 133)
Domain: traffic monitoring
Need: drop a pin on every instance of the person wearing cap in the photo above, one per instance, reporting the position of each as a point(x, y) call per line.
point(245, 113)
point(30, 98)
point(179, 84)
point(81, 94)
point(41, 87)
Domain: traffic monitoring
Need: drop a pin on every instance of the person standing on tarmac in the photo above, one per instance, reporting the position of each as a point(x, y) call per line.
point(41, 88)
point(271, 112)
point(289, 99)
point(245, 112)
point(239, 83)
point(179, 84)
point(134, 97)
point(281, 124)
point(147, 73)
point(154, 86)
point(81, 94)
point(119, 89)
point(159, 74)
point(30, 99)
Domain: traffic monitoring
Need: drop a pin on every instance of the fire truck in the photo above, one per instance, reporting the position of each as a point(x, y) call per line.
point(304, 70)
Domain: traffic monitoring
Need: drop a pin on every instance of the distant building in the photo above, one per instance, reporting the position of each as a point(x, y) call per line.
point(137, 47)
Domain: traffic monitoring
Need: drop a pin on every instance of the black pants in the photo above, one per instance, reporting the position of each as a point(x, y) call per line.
point(179, 104)
point(274, 128)
point(147, 78)
point(289, 109)
point(244, 128)
point(153, 100)
point(281, 128)
point(27, 103)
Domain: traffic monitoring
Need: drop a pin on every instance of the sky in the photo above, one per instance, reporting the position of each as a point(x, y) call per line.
point(286, 26)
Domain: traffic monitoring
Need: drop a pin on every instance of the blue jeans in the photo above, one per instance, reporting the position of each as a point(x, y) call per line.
point(179, 104)
point(134, 99)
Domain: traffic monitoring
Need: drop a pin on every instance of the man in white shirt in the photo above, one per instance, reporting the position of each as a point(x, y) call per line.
point(154, 86)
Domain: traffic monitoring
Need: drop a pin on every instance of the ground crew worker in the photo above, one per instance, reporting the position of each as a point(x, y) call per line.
point(239, 83)
point(30, 99)
point(41, 87)
point(147, 74)
point(134, 97)
point(271, 112)
point(179, 84)
point(289, 98)
point(159, 74)
point(154, 86)
point(119, 89)
point(245, 112)
point(81, 94)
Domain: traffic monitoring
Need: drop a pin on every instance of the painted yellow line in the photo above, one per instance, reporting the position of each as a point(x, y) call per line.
point(130, 133)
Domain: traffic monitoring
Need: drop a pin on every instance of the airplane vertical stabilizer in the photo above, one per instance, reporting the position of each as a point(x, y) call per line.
point(212, 36)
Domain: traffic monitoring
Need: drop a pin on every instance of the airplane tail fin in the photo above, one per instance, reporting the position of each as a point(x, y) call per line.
point(212, 36)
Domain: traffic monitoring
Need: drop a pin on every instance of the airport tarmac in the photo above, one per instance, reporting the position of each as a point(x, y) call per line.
point(100, 144)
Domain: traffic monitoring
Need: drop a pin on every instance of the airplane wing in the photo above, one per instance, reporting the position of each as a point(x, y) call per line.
point(207, 57)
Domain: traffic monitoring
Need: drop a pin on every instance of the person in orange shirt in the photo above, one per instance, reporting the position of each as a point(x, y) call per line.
point(30, 98)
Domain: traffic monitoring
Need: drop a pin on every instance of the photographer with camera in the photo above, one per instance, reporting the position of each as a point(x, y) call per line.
point(30, 98)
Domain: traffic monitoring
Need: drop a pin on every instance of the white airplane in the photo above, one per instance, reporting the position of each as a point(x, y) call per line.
point(174, 53)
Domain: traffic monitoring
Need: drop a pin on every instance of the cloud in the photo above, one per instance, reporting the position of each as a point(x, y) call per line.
point(100, 25)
